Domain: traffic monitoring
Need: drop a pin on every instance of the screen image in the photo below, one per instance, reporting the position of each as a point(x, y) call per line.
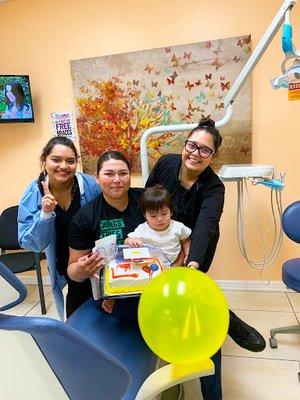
point(15, 99)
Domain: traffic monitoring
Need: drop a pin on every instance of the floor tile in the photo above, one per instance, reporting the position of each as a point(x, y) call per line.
point(263, 321)
point(32, 299)
point(295, 300)
point(50, 308)
point(33, 292)
point(264, 301)
point(192, 390)
point(21, 309)
point(258, 379)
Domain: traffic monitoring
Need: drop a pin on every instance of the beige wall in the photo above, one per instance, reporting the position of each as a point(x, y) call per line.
point(39, 38)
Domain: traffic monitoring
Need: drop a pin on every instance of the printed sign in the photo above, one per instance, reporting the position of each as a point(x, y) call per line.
point(62, 124)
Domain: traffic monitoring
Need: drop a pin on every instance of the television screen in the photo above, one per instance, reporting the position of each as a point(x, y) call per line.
point(15, 99)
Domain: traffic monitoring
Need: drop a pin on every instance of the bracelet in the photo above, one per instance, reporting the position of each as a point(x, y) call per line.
point(192, 266)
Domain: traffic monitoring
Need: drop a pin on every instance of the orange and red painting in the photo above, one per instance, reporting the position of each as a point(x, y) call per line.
point(117, 97)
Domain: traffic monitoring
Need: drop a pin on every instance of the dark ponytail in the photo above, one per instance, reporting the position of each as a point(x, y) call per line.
point(41, 178)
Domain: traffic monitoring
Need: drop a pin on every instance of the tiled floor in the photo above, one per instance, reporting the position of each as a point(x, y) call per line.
point(270, 375)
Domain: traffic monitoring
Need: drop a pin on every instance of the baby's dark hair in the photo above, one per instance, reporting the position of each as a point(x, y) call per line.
point(154, 198)
point(208, 125)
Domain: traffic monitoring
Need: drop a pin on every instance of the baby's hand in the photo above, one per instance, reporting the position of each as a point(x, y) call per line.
point(133, 242)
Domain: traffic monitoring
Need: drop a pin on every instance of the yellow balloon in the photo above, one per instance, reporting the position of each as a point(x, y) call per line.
point(183, 315)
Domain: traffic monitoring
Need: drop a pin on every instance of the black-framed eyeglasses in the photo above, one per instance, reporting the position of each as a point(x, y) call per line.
point(203, 151)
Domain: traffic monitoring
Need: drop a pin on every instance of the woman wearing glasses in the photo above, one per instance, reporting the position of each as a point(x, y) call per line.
point(197, 192)
point(198, 197)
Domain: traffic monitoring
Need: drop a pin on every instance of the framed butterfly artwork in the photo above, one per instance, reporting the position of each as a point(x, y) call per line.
point(117, 97)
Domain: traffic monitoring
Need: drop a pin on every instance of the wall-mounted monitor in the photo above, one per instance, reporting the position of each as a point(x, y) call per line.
point(15, 99)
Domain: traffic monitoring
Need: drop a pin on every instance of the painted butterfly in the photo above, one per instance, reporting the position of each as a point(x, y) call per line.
point(236, 59)
point(187, 56)
point(225, 86)
point(175, 60)
point(189, 85)
point(190, 107)
point(210, 85)
point(219, 106)
point(217, 63)
point(149, 68)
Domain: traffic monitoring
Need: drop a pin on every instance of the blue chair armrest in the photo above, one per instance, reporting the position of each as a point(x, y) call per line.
point(14, 282)
point(121, 340)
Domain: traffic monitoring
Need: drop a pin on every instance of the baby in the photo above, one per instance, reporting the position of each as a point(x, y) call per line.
point(161, 230)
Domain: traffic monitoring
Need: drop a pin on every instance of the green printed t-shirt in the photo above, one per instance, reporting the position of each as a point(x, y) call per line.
point(98, 219)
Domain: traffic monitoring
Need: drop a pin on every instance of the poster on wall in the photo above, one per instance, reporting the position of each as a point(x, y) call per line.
point(62, 124)
point(117, 97)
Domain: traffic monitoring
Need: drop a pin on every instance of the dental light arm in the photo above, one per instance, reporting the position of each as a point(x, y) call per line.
point(233, 92)
point(259, 51)
point(171, 128)
point(282, 81)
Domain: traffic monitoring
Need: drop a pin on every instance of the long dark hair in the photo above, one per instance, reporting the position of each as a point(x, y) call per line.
point(18, 91)
point(208, 125)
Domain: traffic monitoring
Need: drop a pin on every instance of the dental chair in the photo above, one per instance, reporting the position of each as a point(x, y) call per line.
point(291, 268)
point(92, 356)
point(47, 359)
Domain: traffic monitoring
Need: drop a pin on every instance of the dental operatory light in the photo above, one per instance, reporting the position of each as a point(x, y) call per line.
point(290, 77)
